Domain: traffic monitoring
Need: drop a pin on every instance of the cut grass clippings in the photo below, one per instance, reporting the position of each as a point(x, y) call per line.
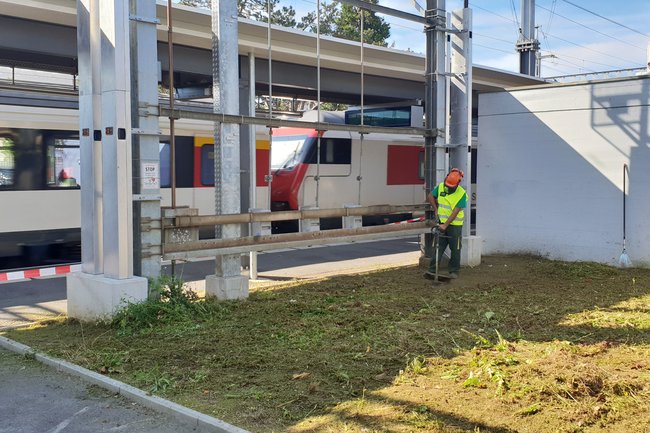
point(518, 344)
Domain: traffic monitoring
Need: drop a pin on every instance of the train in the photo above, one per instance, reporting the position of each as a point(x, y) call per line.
point(40, 176)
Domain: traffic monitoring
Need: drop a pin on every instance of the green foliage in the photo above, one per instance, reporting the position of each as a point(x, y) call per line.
point(348, 26)
point(155, 381)
point(169, 302)
point(342, 21)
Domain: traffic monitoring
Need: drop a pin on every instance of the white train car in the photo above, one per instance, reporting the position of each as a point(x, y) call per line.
point(40, 177)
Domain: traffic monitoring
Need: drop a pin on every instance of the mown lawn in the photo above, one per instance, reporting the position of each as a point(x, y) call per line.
point(519, 344)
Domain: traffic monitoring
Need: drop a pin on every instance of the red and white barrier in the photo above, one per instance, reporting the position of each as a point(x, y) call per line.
point(37, 273)
point(413, 220)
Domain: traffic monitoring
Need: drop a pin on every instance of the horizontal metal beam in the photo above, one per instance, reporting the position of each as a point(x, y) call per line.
point(278, 123)
point(387, 11)
point(211, 248)
point(244, 218)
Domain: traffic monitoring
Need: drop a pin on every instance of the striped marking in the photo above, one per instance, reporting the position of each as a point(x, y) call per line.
point(413, 220)
point(38, 273)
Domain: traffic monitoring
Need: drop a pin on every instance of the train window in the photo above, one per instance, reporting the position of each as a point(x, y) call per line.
point(332, 151)
point(165, 165)
point(63, 163)
point(207, 165)
point(286, 150)
point(7, 161)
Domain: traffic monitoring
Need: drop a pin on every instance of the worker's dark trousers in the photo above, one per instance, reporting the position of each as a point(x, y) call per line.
point(451, 237)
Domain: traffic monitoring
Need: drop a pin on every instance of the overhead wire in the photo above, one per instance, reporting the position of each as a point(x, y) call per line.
point(591, 49)
point(605, 18)
point(590, 28)
point(492, 48)
point(551, 15)
point(556, 59)
point(563, 56)
point(514, 13)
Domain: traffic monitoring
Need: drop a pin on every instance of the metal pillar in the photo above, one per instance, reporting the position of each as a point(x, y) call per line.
point(435, 103)
point(116, 140)
point(460, 100)
point(88, 48)
point(92, 296)
point(527, 45)
point(252, 195)
point(227, 283)
point(146, 152)
point(460, 122)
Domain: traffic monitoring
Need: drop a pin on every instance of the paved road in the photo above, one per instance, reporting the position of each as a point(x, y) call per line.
point(33, 300)
point(37, 399)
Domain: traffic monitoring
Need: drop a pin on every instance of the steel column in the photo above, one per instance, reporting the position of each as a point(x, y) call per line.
point(146, 161)
point(116, 139)
point(460, 100)
point(527, 44)
point(88, 48)
point(435, 100)
point(228, 283)
point(252, 202)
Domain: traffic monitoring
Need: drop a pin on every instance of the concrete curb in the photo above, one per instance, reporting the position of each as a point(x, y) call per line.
point(188, 416)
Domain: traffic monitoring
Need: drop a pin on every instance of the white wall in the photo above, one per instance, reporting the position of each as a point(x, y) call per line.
point(550, 171)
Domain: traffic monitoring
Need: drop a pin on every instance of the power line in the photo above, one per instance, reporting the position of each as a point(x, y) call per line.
point(492, 48)
point(605, 18)
point(551, 15)
point(558, 59)
point(510, 20)
point(591, 49)
point(492, 37)
point(590, 28)
point(557, 56)
point(514, 13)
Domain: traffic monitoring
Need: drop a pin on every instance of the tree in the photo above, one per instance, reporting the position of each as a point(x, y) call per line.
point(348, 26)
point(329, 13)
point(256, 10)
point(337, 20)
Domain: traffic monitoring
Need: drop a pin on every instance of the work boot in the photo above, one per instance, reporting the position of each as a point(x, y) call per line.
point(453, 275)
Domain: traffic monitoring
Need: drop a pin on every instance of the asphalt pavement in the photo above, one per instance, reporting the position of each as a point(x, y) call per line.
point(38, 399)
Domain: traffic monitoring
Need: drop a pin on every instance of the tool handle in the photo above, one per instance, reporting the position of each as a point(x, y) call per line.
point(624, 193)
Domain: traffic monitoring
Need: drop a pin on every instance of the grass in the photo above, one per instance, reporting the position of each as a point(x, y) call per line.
point(519, 344)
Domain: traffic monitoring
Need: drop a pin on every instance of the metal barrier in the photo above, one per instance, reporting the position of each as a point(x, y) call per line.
point(213, 247)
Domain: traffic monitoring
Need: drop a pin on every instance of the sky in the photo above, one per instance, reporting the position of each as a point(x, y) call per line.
point(573, 38)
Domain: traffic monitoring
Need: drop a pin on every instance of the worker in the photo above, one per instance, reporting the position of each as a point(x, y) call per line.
point(65, 179)
point(449, 200)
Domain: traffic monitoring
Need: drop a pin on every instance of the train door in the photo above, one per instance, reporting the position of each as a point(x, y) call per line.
point(330, 178)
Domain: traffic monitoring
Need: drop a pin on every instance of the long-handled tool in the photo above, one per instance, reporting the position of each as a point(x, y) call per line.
point(624, 260)
point(437, 278)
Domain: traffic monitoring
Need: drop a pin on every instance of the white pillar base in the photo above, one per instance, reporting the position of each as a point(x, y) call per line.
point(470, 253)
point(95, 297)
point(226, 288)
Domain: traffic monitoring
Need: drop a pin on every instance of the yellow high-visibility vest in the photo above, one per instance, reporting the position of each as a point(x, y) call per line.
point(447, 203)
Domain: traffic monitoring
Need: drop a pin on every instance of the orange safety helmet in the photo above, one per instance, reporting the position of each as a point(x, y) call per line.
point(454, 177)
